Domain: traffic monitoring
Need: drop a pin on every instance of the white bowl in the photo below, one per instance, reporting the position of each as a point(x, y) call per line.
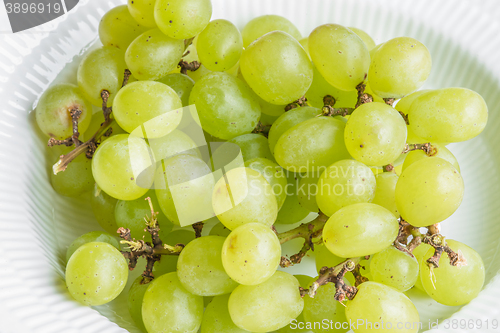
point(37, 225)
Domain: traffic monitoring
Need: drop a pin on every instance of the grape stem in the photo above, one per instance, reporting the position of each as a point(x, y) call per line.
point(362, 96)
point(329, 110)
point(151, 251)
point(198, 228)
point(359, 278)
point(262, 129)
point(335, 275)
point(426, 147)
point(75, 114)
point(126, 77)
point(188, 66)
point(297, 103)
point(311, 232)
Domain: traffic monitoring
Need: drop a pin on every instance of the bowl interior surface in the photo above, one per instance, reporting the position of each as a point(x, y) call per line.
point(37, 225)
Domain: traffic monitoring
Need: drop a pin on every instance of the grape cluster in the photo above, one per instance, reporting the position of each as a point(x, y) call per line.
point(315, 130)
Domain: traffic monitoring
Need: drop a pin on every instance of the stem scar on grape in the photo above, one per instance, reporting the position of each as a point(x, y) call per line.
point(198, 228)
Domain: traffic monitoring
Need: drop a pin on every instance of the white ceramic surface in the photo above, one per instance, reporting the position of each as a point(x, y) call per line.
point(36, 225)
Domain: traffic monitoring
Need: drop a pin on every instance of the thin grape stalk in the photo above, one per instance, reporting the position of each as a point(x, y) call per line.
point(297, 104)
point(153, 251)
point(329, 109)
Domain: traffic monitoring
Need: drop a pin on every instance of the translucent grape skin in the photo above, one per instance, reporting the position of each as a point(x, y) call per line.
point(429, 191)
point(399, 67)
point(152, 55)
point(274, 174)
point(307, 191)
point(340, 55)
point(168, 264)
point(377, 303)
point(143, 11)
point(134, 301)
point(453, 285)
point(96, 273)
point(375, 134)
point(370, 44)
point(225, 104)
point(113, 170)
point(246, 197)
point(288, 120)
point(359, 230)
point(462, 115)
point(103, 207)
point(219, 230)
point(394, 268)
point(344, 183)
point(385, 191)
point(219, 45)
point(216, 318)
point(267, 306)
point(76, 179)
point(130, 214)
point(93, 236)
point(438, 150)
point(182, 19)
point(264, 24)
point(182, 85)
point(53, 111)
point(277, 68)
point(291, 211)
point(404, 105)
point(311, 145)
point(200, 267)
point(118, 28)
point(251, 253)
point(197, 188)
point(168, 307)
point(152, 104)
point(419, 253)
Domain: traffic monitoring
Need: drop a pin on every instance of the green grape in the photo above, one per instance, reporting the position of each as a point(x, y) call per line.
point(370, 44)
point(369, 91)
point(96, 273)
point(419, 253)
point(384, 307)
point(274, 174)
point(270, 109)
point(305, 45)
point(76, 179)
point(320, 88)
point(312, 145)
point(216, 318)
point(394, 268)
point(130, 214)
point(54, 107)
point(168, 264)
point(429, 191)
point(101, 69)
point(399, 67)
point(453, 285)
point(405, 103)
point(184, 185)
point(242, 196)
point(323, 257)
point(251, 253)
point(151, 104)
point(153, 55)
point(267, 120)
point(199, 73)
point(219, 230)
point(219, 45)
point(385, 191)
point(437, 150)
point(253, 146)
point(324, 307)
point(121, 167)
point(103, 207)
point(288, 120)
point(182, 19)
point(95, 125)
point(143, 11)
point(93, 236)
point(291, 212)
point(225, 104)
point(200, 269)
point(168, 307)
point(134, 301)
point(375, 134)
point(264, 24)
point(340, 55)
point(359, 230)
point(277, 68)
point(174, 143)
point(448, 115)
point(182, 85)
point(118, 28)
point(267, 306)
point(344, 183)
point(307, 191)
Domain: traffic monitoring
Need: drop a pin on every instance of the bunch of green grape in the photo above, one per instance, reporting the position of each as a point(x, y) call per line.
point(245, 131)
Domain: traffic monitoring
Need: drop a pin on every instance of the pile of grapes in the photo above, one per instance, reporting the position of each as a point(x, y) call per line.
point(317, 132)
